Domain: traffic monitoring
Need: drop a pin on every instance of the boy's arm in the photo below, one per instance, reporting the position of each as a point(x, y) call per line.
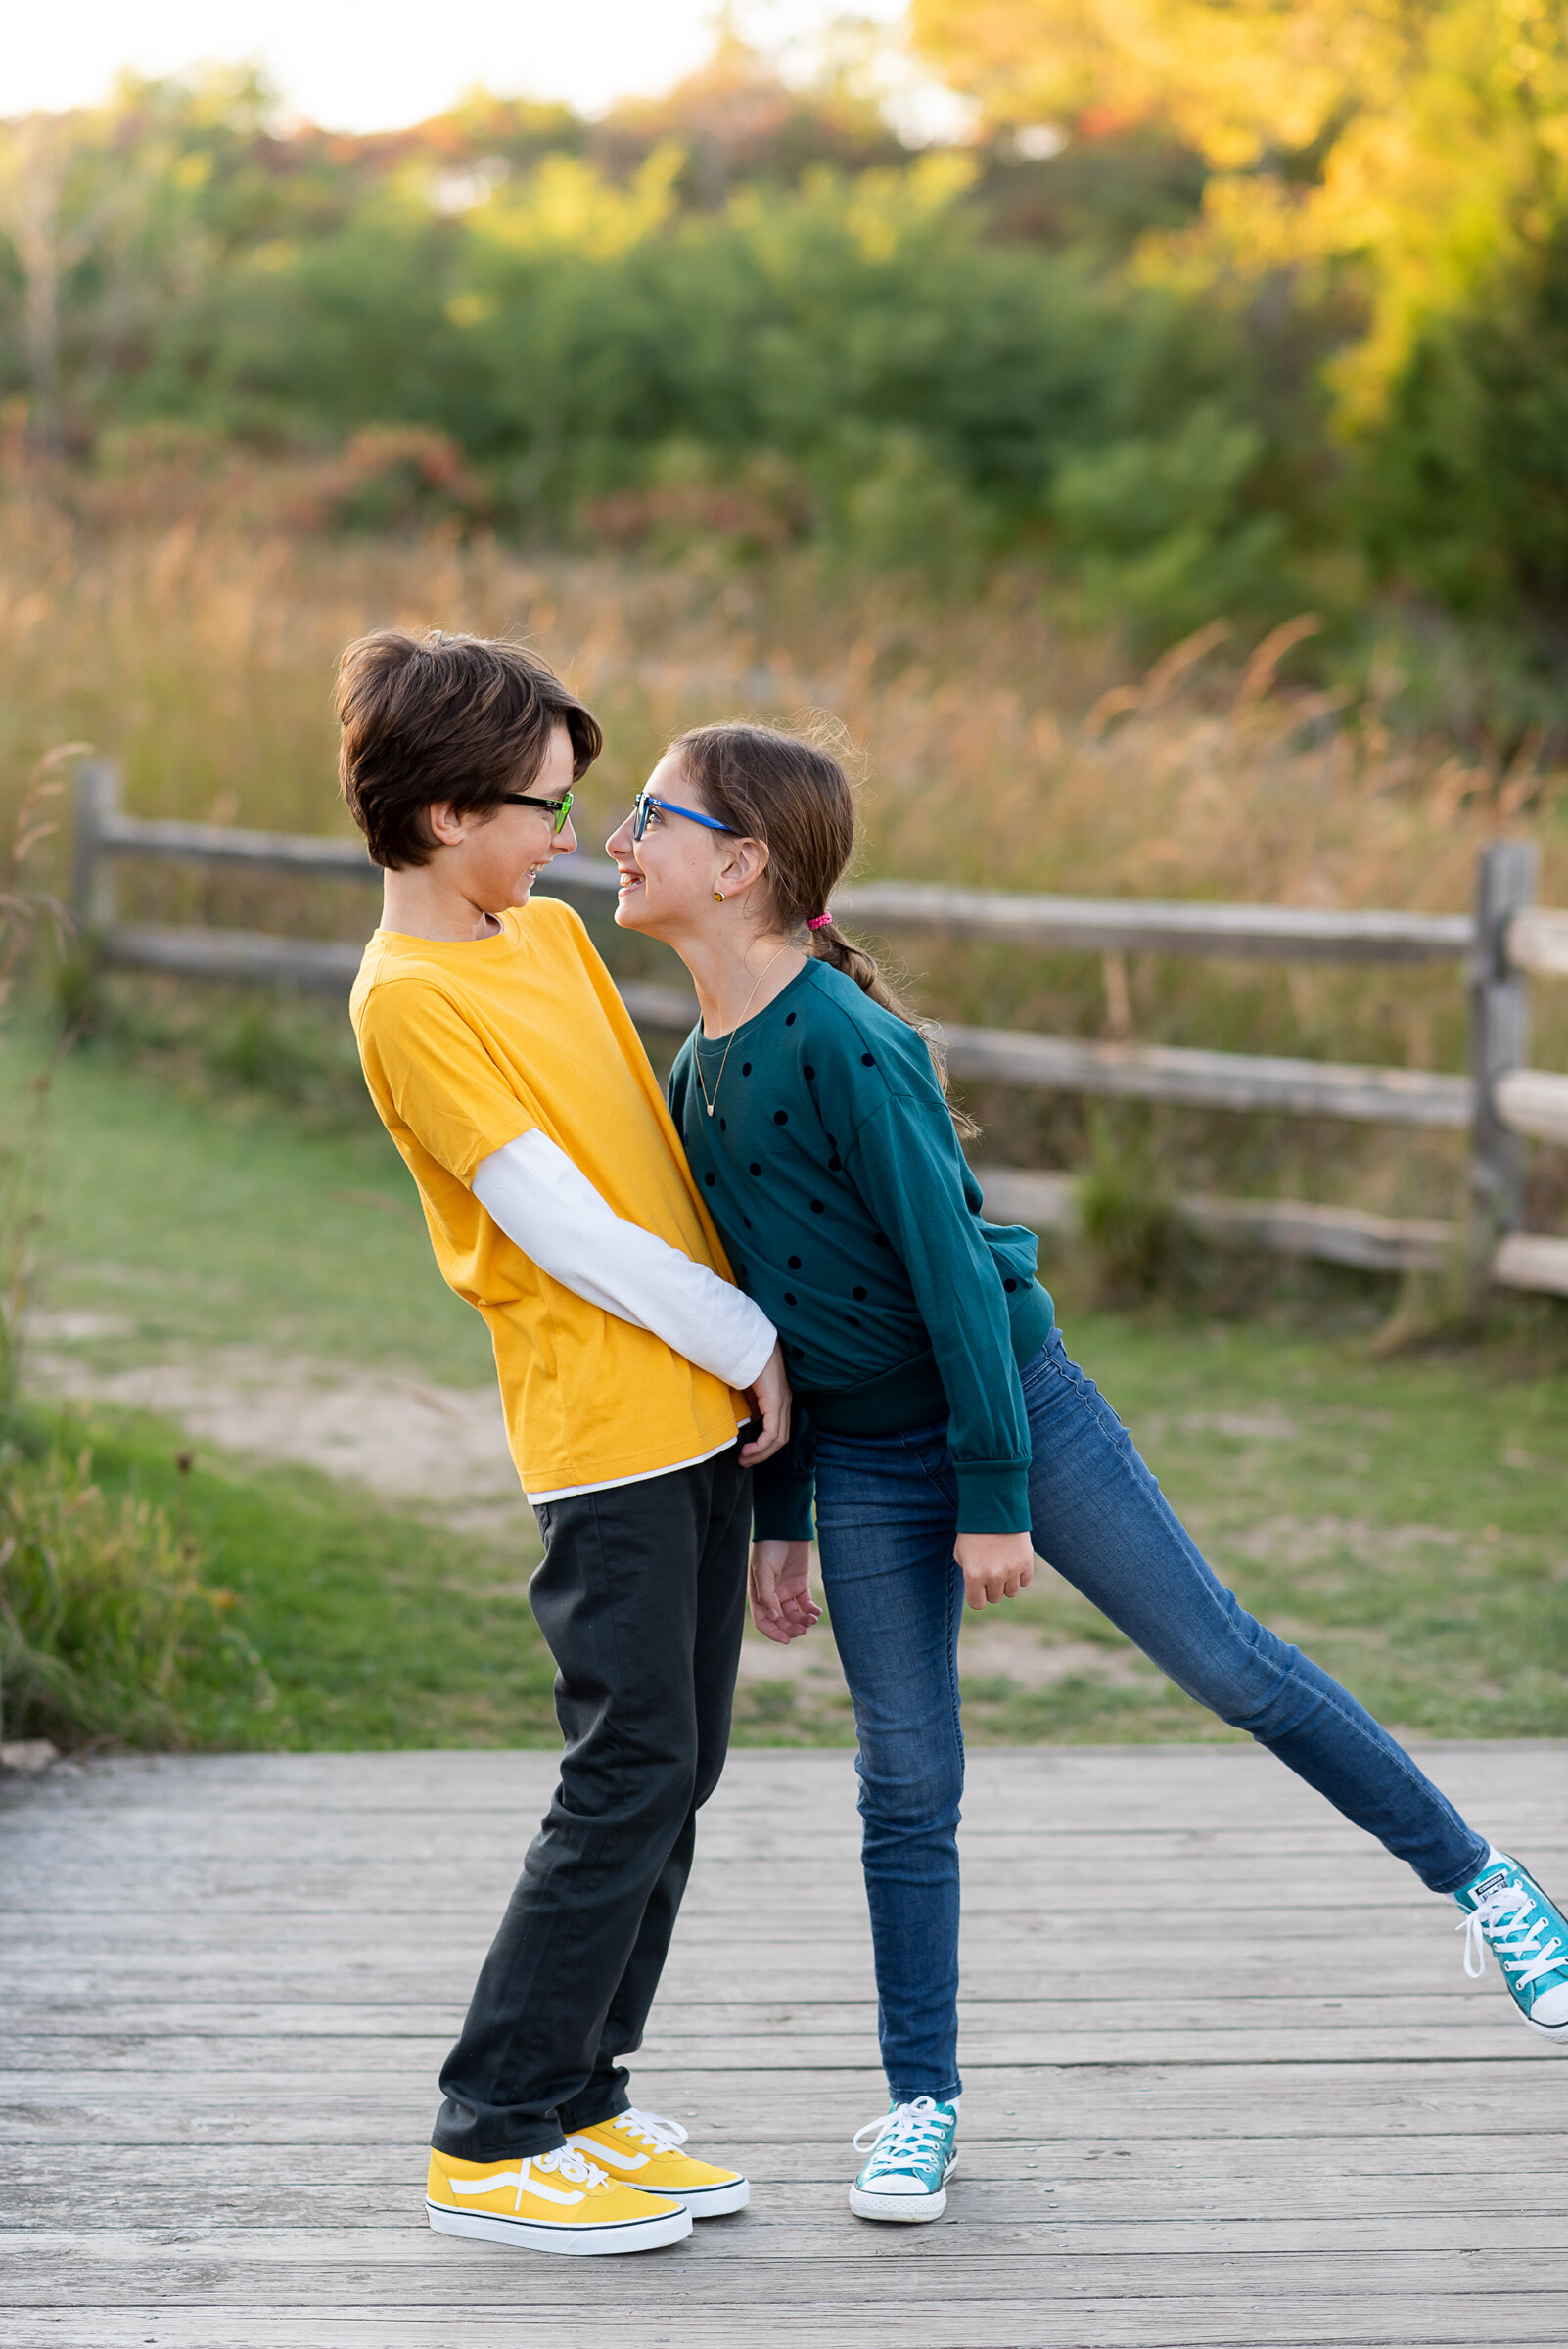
point(548, 1208)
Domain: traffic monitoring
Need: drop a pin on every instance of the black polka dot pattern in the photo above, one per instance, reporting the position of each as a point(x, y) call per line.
point(781, 1142)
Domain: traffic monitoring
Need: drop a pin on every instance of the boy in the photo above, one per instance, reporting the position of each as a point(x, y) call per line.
point(559, 1203)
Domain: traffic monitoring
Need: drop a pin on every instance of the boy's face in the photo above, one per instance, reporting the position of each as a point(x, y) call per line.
point(494, 856)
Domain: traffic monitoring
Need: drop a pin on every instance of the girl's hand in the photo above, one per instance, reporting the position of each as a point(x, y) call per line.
point(996, 1566)
point(782, 1606)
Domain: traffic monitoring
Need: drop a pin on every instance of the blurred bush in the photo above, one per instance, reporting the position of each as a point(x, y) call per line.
point(1258, 334)
point(107, 1629)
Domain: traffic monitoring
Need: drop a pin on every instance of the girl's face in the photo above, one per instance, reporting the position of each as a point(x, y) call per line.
point(667, 877)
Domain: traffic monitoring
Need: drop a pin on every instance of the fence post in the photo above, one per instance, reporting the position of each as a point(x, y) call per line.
point(93, 891)
point(1500, 1036)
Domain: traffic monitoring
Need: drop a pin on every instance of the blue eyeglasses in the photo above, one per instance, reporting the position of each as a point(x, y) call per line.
point(643, 806)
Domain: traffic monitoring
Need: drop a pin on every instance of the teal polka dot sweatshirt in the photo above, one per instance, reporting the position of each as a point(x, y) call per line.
point(832, 1170)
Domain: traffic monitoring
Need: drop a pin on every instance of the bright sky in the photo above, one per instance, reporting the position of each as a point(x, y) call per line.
point(353, 65)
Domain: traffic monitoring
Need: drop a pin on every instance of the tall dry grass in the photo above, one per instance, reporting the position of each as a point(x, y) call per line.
point(998, 751)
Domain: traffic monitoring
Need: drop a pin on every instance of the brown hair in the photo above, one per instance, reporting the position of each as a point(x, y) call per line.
point(796, 797)
point(464, 718)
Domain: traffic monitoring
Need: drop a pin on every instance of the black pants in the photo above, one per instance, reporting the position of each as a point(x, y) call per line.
point(641, 1598)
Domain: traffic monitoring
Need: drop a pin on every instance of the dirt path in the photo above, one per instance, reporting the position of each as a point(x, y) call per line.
point(443, 1449)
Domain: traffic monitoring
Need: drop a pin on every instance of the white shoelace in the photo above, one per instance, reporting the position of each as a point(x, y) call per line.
point(1504, 1918)
point(651, 2129)
point(902, 2138)
point(565, 2162)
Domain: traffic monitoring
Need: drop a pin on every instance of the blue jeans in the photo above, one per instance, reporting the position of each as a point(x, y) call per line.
point(887, 1519)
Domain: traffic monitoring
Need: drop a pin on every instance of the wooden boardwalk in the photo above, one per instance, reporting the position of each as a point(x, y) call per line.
point(1226, 2083)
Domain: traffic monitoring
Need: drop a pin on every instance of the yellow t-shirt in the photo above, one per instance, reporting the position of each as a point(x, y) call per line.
point(467, 1045)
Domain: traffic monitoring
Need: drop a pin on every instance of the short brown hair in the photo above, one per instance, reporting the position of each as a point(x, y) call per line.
point(464, 718)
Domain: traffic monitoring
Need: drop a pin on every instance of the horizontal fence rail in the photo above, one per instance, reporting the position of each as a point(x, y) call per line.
point(1113, 925)
point(1507, 939)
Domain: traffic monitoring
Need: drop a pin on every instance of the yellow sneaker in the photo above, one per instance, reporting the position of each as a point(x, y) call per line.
point(549, 2203)
point(646, 2151)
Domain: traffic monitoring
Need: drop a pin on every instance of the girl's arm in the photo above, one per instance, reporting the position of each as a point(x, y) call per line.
point(905, 1162)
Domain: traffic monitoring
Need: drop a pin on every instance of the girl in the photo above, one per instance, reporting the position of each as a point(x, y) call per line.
point(948, 1433)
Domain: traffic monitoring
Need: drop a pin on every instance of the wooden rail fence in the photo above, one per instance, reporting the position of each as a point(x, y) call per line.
point(1507, 939)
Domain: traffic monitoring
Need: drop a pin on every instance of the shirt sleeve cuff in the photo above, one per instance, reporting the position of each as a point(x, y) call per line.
point(781, 1501)
point(992, 1496)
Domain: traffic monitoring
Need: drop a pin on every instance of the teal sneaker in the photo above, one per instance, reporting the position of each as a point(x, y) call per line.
point(1529, 1937)
point(912, 2158)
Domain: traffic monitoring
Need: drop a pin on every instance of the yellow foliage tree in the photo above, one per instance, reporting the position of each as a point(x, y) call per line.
point(1439, 130)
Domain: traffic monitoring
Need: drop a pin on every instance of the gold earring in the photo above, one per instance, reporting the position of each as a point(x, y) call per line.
point(719, 896)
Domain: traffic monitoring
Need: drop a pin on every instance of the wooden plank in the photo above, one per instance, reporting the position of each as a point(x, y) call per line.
point(1535, 1102)
point(1101, 925)
point(1538, 941)
point(1089, 2178)
point(161, 840)
point(1160, 2205)
point(248, 956)
point(1527, 1260)
point(1211, 2317)
point(1368, 2099)
point(1485, 2033)
point(1235, 1080)
point(1340, 1235)
point(396, 2269)
point(1278, 1885)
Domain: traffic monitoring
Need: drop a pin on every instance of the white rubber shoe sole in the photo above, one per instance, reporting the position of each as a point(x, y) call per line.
point(712, 2201)
point(902, 2210)
point(527, 2234)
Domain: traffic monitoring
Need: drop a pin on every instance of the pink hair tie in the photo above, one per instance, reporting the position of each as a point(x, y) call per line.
point(820, 921)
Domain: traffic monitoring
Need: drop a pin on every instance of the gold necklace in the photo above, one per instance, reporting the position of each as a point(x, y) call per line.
point(696, 1056)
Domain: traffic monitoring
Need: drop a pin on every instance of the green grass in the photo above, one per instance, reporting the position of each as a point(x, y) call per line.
point(199, 1216)
point(1406, 1520)
point(371, 1628)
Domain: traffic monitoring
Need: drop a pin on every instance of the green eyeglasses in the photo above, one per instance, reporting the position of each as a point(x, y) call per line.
point(560, 809)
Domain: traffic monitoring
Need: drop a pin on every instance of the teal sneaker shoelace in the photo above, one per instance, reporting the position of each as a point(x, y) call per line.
point(912, 2139)
point(1512, 1919)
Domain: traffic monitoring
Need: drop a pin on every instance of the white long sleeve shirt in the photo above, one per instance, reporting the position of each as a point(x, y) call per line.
point(548, 1208)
